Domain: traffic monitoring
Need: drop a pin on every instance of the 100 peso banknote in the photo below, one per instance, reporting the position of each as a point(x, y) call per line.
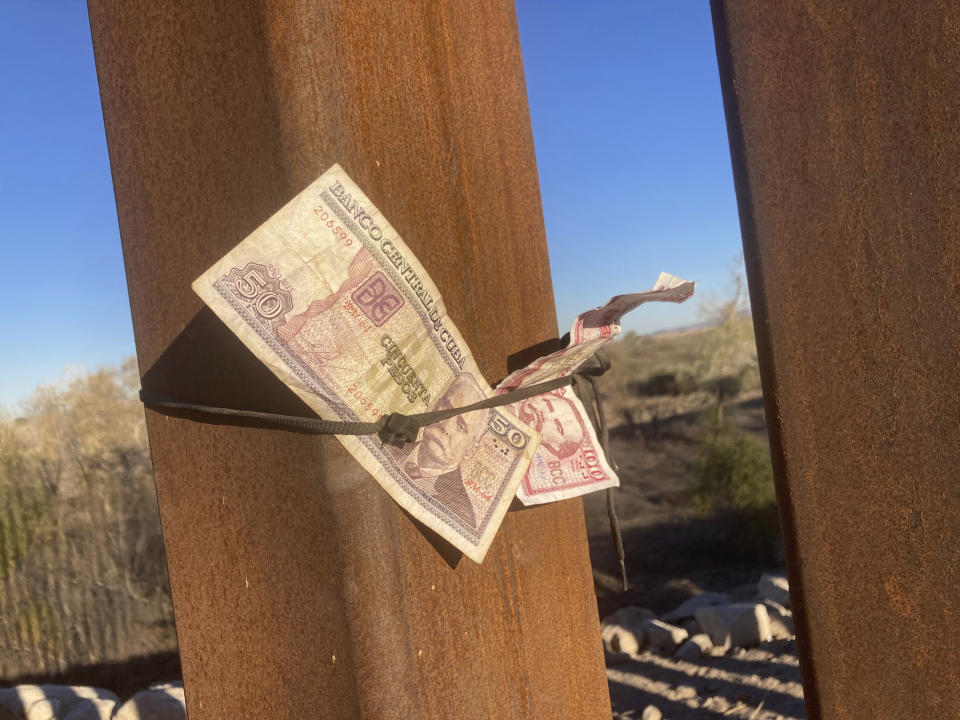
point(570, 460)
point(328, 295)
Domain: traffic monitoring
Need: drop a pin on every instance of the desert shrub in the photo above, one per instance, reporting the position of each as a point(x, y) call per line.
point(733, 473)
point(660, 384)
point(664, 384)
point(635, 357)
point(735, 481)
point(630, 421)
point(724, 387)
point(686, 384)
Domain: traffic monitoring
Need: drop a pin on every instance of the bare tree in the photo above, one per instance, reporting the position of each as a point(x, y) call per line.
point(82, 575)
point(729, 349)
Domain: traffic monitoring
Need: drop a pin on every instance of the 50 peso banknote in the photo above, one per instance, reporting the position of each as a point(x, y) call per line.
point(570, 460)
point(328, 296)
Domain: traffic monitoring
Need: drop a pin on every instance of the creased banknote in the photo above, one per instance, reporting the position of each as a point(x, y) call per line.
point(570, 461)
point(333, 301)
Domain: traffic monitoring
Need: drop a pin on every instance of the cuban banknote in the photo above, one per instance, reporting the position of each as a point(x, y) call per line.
point(328, 295)
point(570, 461)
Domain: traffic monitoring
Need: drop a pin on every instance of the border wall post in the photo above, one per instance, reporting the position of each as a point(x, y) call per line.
point(843, 124)
point(300, 588)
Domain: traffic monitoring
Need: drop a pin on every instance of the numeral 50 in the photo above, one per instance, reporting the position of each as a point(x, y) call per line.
point(501, 427)
point(253, 287)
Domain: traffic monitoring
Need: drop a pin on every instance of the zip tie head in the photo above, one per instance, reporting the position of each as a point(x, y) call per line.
point(398, 429)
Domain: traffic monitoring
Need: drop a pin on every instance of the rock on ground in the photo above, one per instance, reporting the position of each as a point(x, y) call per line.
point(159, 702)
point(696, 647)
point(622, 632)
point(56, 702)
point(630, 616)
point(43, 710)
point(774, 586)
point(663, 637)
point(737, 625)
point(92, 710)
point(614, 637)
point(781, 620)
point(163, 701)
point(651, 712)
point(689, 607)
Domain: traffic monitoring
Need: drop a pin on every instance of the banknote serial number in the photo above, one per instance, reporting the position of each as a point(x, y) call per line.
point(355, 392)
point(327, 219)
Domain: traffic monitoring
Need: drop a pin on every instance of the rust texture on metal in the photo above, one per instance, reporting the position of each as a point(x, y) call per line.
point(844, 121)
point(300, 588)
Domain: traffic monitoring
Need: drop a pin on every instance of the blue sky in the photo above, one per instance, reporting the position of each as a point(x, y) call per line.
point(630, 139)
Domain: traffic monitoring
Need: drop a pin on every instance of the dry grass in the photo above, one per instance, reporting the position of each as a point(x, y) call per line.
point(82, 573)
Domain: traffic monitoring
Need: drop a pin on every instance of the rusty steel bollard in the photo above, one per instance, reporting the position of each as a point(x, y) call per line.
point(300, 589)
point(843, 127)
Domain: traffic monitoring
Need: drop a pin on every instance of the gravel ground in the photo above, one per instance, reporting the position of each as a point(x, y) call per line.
point(671, 557)
point(762, 683)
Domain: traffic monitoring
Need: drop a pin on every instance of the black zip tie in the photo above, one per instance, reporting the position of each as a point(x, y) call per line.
point(395, 428)
point(597, 417)
point(398, 428)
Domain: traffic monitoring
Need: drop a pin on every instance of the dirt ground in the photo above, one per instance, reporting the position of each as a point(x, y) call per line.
point(762, 683)
point(672, 555)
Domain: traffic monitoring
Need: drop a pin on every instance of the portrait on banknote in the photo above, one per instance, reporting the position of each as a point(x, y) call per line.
point(569, 461)
point(434, 462)
point(557, 418)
